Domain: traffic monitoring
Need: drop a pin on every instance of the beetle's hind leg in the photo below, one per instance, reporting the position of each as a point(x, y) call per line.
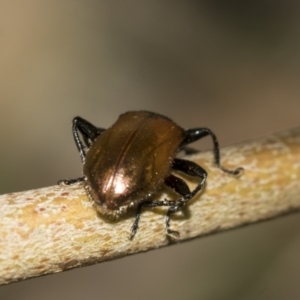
point(195, 134)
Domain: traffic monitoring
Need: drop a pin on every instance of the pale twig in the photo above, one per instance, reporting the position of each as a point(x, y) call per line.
point(56, 228)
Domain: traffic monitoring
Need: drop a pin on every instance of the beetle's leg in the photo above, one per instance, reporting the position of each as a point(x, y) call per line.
point(195, 134)
point(192, 169)
point(89, 133)
point(151, 204)
point(180, 187)
point(70, 181)
point(135, 224)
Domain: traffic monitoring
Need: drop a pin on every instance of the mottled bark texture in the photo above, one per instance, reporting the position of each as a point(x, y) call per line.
point(52, 229)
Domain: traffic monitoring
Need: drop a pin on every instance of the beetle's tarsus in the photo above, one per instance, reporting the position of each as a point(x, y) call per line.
point(134, 229)
point(237, 172)
point(132, 234)
point(70, 181)
point(173, 234)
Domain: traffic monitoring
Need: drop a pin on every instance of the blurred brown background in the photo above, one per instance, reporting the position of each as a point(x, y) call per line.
point(233, 66)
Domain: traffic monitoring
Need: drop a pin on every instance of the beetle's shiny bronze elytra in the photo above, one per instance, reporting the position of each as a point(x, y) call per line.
point(128, 161)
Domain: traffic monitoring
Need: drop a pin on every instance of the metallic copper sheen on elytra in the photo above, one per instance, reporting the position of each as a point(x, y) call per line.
point(130, 160)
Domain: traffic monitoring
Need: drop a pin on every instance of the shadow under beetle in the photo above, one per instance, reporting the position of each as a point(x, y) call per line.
point(127, 163)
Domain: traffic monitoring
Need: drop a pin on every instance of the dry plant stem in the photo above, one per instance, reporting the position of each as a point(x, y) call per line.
point(53, 229)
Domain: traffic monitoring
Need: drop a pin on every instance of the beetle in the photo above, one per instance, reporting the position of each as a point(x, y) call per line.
point(127, 163)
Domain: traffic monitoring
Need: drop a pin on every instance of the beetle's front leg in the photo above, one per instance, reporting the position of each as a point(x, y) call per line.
point(89, 133)
point(154, 203)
